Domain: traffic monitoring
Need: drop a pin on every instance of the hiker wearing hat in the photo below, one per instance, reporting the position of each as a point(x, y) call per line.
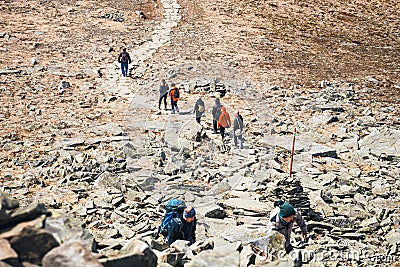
point(185, 231)
point(224, 121)
point(282, 219)
point(174, 94)
point(199, 109)
point(238, 129)
point(164, 88)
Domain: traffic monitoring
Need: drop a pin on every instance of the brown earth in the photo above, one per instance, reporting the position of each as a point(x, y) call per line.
point(288, 44)
point(299, 42)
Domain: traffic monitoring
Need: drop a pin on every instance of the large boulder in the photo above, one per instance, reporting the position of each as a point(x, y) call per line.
point(70, 254)
point(381, 142)
point(8, 202)
point(37, 223)
point(211, 211)
point(134, 253)
point(32, 244)
point(6, 252)
point(227, 256)
point(189, 134)
point(69, 229)
point(25, 214)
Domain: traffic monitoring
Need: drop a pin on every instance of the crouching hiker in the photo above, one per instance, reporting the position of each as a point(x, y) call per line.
point(282, 219)
point(179, 222)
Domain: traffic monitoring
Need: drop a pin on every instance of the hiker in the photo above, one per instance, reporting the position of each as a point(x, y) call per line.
point(216, 111)
point(188, 230)
point(179, 222)
point(164, 88)
point(224, 121)
point(282, 219)
point(238, 129)
point(124, 59)
point(163, 158)
point(199, 109)
point(174, 94)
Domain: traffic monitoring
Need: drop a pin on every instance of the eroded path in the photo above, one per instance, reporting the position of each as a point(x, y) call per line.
point(152, 131)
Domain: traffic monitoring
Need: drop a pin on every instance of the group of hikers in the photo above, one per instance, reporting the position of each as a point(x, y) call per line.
point(173, 93)
point(221, 118)
point(179, 222)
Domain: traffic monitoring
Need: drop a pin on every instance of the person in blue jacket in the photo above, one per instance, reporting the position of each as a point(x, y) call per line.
point(183, 228)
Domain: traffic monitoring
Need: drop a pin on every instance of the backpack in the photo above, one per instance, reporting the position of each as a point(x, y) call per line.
point(201, 108)
point(124, 57)
point(173, 211)
point(176, 93)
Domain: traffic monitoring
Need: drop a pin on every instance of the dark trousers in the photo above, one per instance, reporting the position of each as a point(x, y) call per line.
point(163, 97)
point(174, 105)
point(215, 126)
point(222, 131)
point(198, 119)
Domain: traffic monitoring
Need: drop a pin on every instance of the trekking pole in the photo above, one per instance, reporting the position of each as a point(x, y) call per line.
point(291, 156)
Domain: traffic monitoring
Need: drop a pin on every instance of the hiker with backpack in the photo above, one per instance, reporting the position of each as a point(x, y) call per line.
point(179, 222)
point(282, 219)
point(164, 88)
point(124, 59)
point(174, 94)
point(224, 122)
point(199, 109)
point(216, 111)
point(238, 129)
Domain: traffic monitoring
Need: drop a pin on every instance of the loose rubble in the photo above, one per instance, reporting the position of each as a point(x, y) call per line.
point(91, 188)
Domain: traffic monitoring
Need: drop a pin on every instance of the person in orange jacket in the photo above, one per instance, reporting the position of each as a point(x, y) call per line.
point(174, 94)
point(224, 121)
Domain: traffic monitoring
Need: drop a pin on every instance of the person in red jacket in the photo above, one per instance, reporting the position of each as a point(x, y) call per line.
point(224, 121)
point(174, 94)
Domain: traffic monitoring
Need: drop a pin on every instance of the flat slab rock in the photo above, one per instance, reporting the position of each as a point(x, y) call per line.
point(249, 205)
point(382, 141)
point(301, 145)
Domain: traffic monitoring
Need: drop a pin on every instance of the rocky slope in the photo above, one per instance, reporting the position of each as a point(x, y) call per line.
point(86, 142)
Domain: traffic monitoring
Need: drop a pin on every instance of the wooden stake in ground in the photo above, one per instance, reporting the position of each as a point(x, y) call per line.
point(291, 155)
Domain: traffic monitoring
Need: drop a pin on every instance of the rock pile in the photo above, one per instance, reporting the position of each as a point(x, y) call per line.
point(206, 86)
point(116, 187)
point(26, 241)
point(105, 178)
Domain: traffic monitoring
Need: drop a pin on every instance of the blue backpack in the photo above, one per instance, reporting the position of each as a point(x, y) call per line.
point(176, 92)
point(173, 211)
